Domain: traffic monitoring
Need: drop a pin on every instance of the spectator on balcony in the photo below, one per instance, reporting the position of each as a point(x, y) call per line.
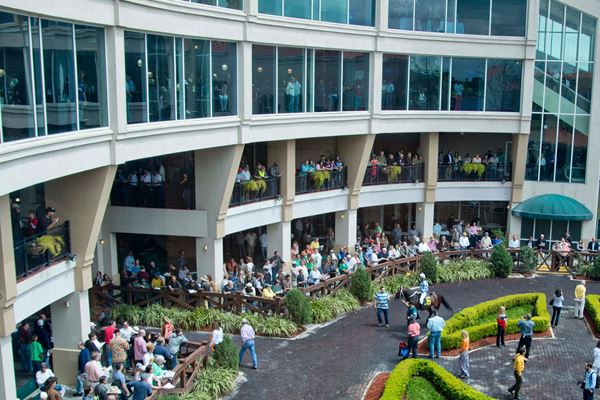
point(50, 220)
point(464, 242)
point(397, 233)
point(432, 244)
point(423, 246)
point(476, 159)
point(413, 233)
point(174, 284)
point(305, 168)
point(466, 159)
point(301, 279)
point(514, 242)
point(250, 239)
point(437, 229)
point(486, 242)
point(443, 245)
point(243, 174)
point(540, 244)
point(32, 223)
point(374, 167)
point(274, 169)
point(143, 274)
point(98, 279)
point(129, 261)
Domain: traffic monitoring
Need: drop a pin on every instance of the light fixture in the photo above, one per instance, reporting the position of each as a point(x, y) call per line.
point(101, 242)
point(419, 209)
point(68, 304)
point(290, 71)
point(139, 62)
point(2, 73)
point(343, 216)
point(278, 197)
point(205, 248)
point(508, 206)
point(224, 67)
point(195, 47)
point(259, 69)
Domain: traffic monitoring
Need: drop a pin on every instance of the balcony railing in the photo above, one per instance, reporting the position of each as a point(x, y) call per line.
point(31, 255)
point(375, 175)
point(498, 172)
point(167, 195)
point(245, 192)
point(309, 183)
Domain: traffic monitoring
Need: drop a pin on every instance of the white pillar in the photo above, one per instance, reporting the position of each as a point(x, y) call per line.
point(8, 384)
point(514, 224)
point(280, 239)
point(345, 228)
point(209, 258)
point(424, 219)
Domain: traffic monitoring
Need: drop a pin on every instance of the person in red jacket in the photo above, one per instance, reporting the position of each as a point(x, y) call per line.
point(501, 320)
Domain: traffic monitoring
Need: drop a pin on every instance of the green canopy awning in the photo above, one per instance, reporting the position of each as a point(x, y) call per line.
point(552, 207)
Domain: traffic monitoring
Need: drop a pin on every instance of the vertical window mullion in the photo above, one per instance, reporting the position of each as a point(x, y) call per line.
point(414, 11)
point(455, 23)
point(210, 85)
point(485, 84)
point(43, 76)
point(341, 84)
point(146, 78)
point(175, 102)
point(313, 62)
point(183, 85)
point(32, 72)
point(408, 83)
point(450, 84)
point(76, 76)
point(490, 21)
point(276, 92)
point(304, 103)
point(441, 80)
point(347, 11)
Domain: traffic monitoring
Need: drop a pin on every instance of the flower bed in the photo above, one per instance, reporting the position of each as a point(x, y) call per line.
point(468, 317)
point(443, 381)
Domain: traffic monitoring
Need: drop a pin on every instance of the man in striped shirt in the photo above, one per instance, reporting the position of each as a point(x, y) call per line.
point(382, 302)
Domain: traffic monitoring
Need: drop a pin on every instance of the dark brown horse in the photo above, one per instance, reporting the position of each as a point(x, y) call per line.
point(411, 296)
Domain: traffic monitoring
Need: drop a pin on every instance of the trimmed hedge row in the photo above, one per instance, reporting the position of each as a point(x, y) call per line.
point(466, 319)
point(446, 383)
point(592, 306)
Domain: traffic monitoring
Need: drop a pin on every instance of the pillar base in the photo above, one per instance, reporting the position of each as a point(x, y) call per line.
point(345, 229)
point(8, 384)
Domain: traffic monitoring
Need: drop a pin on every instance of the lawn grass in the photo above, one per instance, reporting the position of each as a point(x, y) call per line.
point(419, 388)
point(512, 313)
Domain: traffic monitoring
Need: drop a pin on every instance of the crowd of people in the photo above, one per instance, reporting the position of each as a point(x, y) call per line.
point(450, 163)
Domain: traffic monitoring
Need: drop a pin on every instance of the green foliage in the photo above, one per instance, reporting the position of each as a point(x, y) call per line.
point(593, 271)
point(468, 318)
point(393, 173)
point(328, 307)
point(202, 318)
point(226, 354)
point(299, 306)
point(429, 267)
point(419, 388)
point(528, 259)
point(443, 381)
point(393, 283)
point(497, 232)
point(466, 270)
point(470, 168)
point(360, 285)
point(592, 306)
point(319, 178)
point(255, 185)
point(52, 243)
point(214, 382)
point(501, 261)
point(515, 313)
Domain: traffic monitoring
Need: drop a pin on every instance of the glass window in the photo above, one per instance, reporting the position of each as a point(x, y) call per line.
point(509, 17)
point(37, 72)
point(298, 9)
point(356, 81)
point(400, 14)
point(161, 76)
point(575, 230)
point(563, 151)
point(587, 38)
point(584, 88)
point(526, 229)
point(541, 39)
point(16, 97)
point(571, 35)
point(91, 82)
point(450, 16)
point(425, 82)
point(559, 228)
point(309, 79)
point(503, 90)
point(59, 76)
point(542, 227)
point(430, 15)
point(272, 7)
point(547, 159)
point(580, 144)
point(552, 89)
point(538, 93)
point(554, 31)
point(446, 84)
point(395, 80)
point(197, 78)
point(180, 83)
point(263, 79)
point(362, 12)
point(567, 90)
point(291, 79)
point(468, 79)
point(135, 70)
point(533, 148)
point(334, 11)
point(224, 79)
point(327, 80)
point(233, 4)
point(473, 17)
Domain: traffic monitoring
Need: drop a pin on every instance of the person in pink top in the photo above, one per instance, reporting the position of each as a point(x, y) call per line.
point(139, 346)
point(93, 369)
point(414, 330)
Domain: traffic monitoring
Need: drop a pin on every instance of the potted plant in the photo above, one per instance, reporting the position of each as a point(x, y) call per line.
point(393, 173)
point(53, 244)
point(470, 168)
point(255, 186)
point(319, 178)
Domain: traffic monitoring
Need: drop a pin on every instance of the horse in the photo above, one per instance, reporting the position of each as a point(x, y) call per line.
point(412, 296)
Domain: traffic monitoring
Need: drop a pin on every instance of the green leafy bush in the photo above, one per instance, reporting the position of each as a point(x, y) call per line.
point(501, 262)
point(528, 258)
point(226, 354)
point(592, 306)
point(466, 270)
point(393, 283)
point(469, 317)
point(429, 267)
point(214, 382)
point(420, 388)
point(593, 271)
point(443, 381)
point(360, 285)
point(299, 307)
point(326, 308)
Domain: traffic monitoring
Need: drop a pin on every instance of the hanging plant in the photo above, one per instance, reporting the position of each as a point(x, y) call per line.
point(319, 178)
point(393, 173)
point(470, 168)
point(51, 243)
point(255, 186)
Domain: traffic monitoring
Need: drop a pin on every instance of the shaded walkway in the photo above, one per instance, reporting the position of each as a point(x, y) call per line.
point(338, 360)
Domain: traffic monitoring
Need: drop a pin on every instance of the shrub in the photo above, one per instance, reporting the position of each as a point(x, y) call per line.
point(393, 283)
point(466, 270)
point(328, 307)
point(360, 285)
point(468, 317)
point(592, 306)
point(501, 262)
point(226, 354)
point(429, 267)
point(299, 307)
point(528, 259)
point(446, 383)
point(593, 271)
point(214, 382)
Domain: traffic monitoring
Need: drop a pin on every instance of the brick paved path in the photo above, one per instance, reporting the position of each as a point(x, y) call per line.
point(338, 360)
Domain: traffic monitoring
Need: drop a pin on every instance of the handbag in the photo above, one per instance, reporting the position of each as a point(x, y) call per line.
point(552, 302)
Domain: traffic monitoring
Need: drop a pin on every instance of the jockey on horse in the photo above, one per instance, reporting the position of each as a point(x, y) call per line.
point(426, 301)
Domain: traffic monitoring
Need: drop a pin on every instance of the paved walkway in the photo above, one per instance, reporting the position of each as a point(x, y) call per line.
point(338, 360)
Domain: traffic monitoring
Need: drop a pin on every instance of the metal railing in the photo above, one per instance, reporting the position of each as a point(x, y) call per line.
point(242, 194)
point(497, 172)
point(305, 183)
point(376, 175)
point(30, 256)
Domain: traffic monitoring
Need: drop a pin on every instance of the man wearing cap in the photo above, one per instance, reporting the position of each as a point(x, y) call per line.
point(50, 220)
point(247, 333)
point(526, 325)
point(423, 288)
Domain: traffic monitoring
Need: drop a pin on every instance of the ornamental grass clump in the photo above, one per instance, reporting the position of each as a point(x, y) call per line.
point(226, 355)
point(328, 307)
point(299, 307)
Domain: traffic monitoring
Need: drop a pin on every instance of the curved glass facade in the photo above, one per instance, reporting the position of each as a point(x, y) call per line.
point(557, 150)
point(353, 12)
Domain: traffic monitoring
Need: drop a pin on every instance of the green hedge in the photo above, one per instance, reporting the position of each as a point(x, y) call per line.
point(592, 306)
point(465, 319)
point(446, 383)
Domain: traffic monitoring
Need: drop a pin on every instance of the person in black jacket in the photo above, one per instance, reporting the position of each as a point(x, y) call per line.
point(43, 337)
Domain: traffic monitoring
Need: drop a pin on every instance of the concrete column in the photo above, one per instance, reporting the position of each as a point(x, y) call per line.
point(345, 228)
point(513, 225)
point(245, 80)
point(280, 239)
point(354, 151)
point(519, 160)
point(381, 16)
point(429, 145)
point(209, 258)
point(8, 384)
point(251, 7)
point(424, 219)
point(70, 324)
point(376, 81)
point(284, 153)
point(8, 274)
point(115, 64)
point(82, 199)
point(106, 254)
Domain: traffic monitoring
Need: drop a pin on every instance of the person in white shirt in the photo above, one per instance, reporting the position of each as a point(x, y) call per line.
point(249, 266)
point(43, 374)
point(216, 337)
point(486, 242)
point(126, 331)
point(315, 276)
point(464, 241)
point(514, 243)
point(251, 238)
point(352, 262)
point(263, 240)
point(392, 253)
point(596, 364)
point(423, 247)
point(317, 259)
